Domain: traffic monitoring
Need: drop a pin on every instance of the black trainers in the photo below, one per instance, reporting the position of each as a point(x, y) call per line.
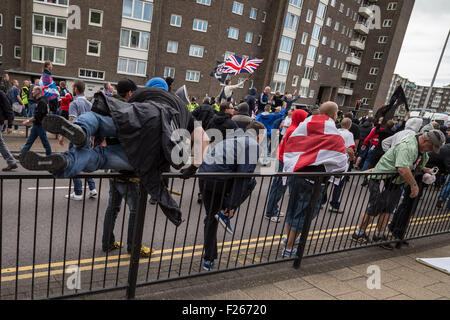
point(334, 210)
point(386, 246)
point(59, 125)
point(33, 161)
point(362, 239)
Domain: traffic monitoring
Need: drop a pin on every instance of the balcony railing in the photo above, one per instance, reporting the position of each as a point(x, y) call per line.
point(365, 11)
point(361, 28)
point(357, 44)
point(349, 75)
point(353, 60)
point(345, 91)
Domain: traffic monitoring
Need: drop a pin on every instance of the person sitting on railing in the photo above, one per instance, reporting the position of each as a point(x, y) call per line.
point(408, 158)
point(315, 146)
point(222, 196)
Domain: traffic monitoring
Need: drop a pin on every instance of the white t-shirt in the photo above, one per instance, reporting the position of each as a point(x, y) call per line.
point(286, 122)
point(348, 138)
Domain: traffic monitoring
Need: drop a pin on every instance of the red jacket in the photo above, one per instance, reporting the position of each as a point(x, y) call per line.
point(65, 100)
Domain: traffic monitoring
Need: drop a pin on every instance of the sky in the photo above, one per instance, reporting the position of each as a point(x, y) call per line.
point(423, 43)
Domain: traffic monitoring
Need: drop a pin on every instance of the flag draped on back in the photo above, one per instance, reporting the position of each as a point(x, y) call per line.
point(236, 65)
point(218, 72)
point(316, 141)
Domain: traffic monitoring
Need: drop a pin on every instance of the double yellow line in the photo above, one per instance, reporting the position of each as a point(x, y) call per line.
point(42, 270)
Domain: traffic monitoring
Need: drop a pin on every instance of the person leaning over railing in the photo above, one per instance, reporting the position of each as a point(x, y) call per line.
point(222, 196)
point(408, 158)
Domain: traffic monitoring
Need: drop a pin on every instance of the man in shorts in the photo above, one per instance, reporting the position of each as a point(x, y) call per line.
point(408, 158)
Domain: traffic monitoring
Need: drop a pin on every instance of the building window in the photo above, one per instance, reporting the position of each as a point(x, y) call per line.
point(339, 47)
point(17, 52)
point(18, 22)
point(200, 25)
point(295, 81)
point(238, 8)
point(382, 39)
point(304, 92)
point(1, 19)
point(278, 86)
point(370, 86)
point(387, 23)
point(324, 40)
point(392, 6)
point(49, 26)
point(316, 32)
point(296, 3)
point(253, 13)
point(249, 37)
point(172, 46)
point(319, 58)
point(264, 17)
point(136, 9)
point(134, 39)
point(227, 55)
point(328, 62)
point(192, 76)
point(42, 54)
point(286, 44)
point(196, 51)
point(1, 50)
point(233, 33)
point(204, 2)
point(91, 74)
point(304, 38)
point(55, 2)
point(132, 66)
point(312, 53)
point(378, 55)
point(175, 20)
point(312, 93)
point(341, 8)
point(282, 67)
point(299, 59)
point(333, 3)
point(373, 71)
point(329, 21)
point(95, 18)
point(291, 21)
point(335, 64)
point(321, 11)
point(336, 26)
point(307, 73)
point(169, 72)
point(332, 44)
point(93, 48)
point(309, 15)
point(260, 38)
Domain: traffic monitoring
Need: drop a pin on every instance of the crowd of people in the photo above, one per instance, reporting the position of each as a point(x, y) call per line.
point(109, 133)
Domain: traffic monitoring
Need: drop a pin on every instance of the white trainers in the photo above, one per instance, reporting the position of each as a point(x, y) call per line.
point(73, 196)
point(92, 194)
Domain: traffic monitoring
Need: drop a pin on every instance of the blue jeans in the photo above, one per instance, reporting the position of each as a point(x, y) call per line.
point(337, 190)
point(90, 160)
point(78, 186)
point(368, 160)
point(117, 192)
point(277, 190)
point(30, 111)
point(445, 193)
point(300, 194)
point(37, 131)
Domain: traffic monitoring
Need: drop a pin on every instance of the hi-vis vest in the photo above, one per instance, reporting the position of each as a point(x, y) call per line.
point(192, 106)
point(24, 94)
point(216, 106)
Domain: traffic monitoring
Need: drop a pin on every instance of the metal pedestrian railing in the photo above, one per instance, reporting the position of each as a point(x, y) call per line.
point(51, 246)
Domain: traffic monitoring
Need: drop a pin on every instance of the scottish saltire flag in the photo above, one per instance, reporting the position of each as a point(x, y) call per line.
point(316, 141)
point(236, 65)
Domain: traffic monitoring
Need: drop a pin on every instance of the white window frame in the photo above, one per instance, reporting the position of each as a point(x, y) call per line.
point(129, 40)
point(195, 78)
point(1, 50)
point(202, 22)
point(328, 61)
point(168, 72)
point(204, 2)
point(317, 31)
point(377, 55)
point(285, 69)
point(387, 23)
point(87, 77)
point(143, 10)
point(194, 48)
point(296, 3)
point(134, 74)
point(238, 8)
point(44, 31)
point(312, 52)
point(319, 58)
point(392, 6)
point(1, 19)
point(99, 48)
point(309, 16)
point(299, 61)
point(15, 49)
point(253, 13)
point(337, 25)
point(264, 17)
point(324, 40)
point(329, 21)
point(54, 55)
point(233, 35)
point(101, 18)
point(374, 71)
point(260, 38)
point(249, 37)
point(286, 40)
point(321, 11)
point(383, 39)
point(370, 86)
point(16, 18)
point(307, 74)
point(173, 43)
point(295, 80)
point(304, 38)
point(176, 16)
point(52, 4)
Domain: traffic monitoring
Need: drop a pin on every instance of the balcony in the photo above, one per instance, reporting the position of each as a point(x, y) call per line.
point(345, 91)
point(365, 12)
point(349, 75)
point(355, 61)
point(358, 45)
point(361, 28)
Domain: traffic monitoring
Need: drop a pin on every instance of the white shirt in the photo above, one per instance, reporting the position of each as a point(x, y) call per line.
point(229, 89)
point(287, 122)
point(348, 138)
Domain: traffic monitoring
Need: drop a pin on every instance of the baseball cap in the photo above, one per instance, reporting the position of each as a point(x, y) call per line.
point(436, 137)
point(124, 85)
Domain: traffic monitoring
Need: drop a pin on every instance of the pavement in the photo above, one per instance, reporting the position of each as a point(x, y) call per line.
point(17, 139)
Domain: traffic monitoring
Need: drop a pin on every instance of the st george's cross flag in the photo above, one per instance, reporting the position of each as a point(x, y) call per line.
point(236, 65)
point(315, 142)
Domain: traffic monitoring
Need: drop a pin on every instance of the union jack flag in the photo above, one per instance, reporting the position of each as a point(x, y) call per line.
point(236, 65)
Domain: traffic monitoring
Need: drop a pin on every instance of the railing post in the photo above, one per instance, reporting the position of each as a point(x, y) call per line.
point(137, 242)
point(307, 223)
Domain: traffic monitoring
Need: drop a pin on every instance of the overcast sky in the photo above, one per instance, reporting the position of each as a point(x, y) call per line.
point(424, 39)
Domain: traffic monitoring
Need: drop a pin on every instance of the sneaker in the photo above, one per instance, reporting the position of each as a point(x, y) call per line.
point(297, 241)
point(281, 214)
point(208, 265)
point(116, 245)
point(289, 253)
point(75, 197)
point(386, 246)
point(59, 125)
point(145, 252)
point(92, 194)
point(334, 210)
point(225, 222)
point(362, 239)
point(10, 167)
point(439, 204)
point(33, 161)
point(273, 219)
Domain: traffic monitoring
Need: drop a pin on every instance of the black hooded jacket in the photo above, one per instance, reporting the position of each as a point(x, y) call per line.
point(222, 121)
point(204, 113)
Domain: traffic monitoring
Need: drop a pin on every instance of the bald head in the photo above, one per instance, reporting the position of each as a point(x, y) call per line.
point(330, 109)
point(346, 123)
